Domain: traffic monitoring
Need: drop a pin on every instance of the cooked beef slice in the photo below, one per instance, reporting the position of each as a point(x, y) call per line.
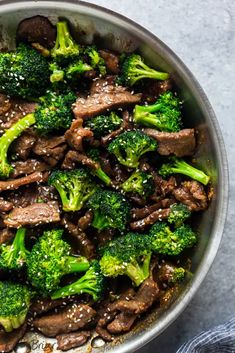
point(180, 143)
point(18, 109)
point(146, 295)
point(27, 167)
point(5, 104)
point(122, 323)
point(192, 194)
point(155, 216)
point(43, 305)
point(35, 214)
point(67, 320)
point(104, 334)
point(73, 157)
point(8, 341)
point(5, 206)
point(105, 235)
point(163, 187)
point(72, 340)
point(76, 133)
point(24, 144)
point(111, 61)
point(37, 29)
point(153, 89)
point(85, 221)
point(6, 235)
point(84, 244)
point(16, 183)
point(104, 96)
point(51, 149)
point(138, 213)
point(165, 272)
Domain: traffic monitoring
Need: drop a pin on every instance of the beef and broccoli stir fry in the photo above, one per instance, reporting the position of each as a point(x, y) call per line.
point(97, 184)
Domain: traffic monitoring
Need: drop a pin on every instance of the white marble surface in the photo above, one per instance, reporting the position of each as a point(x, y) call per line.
point(202, 33)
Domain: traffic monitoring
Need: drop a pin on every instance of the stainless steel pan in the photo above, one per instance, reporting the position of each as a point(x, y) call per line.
point(120, 33)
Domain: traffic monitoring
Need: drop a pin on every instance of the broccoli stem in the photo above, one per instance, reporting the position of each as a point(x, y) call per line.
point(76, 264)
point(8, 137)
point(139, 273)
point(144, 71)
point(99, 221)
point(13, 323)
point(102, 176)
point(63, 39)
point(182, 167)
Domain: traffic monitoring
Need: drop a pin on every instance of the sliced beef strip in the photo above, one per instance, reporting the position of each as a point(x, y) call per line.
point(192, 194)
point(122, 323)
point(27, 167)
point(72, 157)
point(126, 125)
point(6, 236)
point(147, 294)
point(85, 221)
point(29, 179)
point(18, 109)
point(85, 245)
point(105, 235)
point(5, 104)
point(154, 89)
point(37, 29)
point(72, 340)
point(5, 206)
point(43, 305)
point(105, 96)
point(163, 187)
point(51, 149)
point(76, 133)
point(165, 272)
point(25, 143)
point(8, 341)
point(139, 213)
point(155, 216)
point(71, 318)
point(35, 214)
point(111, 61)
point(180, 143)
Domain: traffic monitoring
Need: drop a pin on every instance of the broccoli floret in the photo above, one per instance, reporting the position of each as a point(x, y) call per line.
point(15, 301)
point(168, 242)
point(50, 259)
point(102, 125)
point(95, 60)
point(94, 154)
point(177, 275)
point(164, 115)
point(110, 208)
point(57, 73)
point(179, 213)
point(134, 69)
point(7, 138)
point(139, 182)
point(74, 187)
point(93, 283)
point(74, 70)
point(24, 72)
point(129, 255)
point(54, 112)
point(130, 146)
point(13, 257)
point(65, 47)
point(179, 166)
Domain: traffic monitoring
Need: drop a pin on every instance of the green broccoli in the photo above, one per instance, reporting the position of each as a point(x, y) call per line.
point(110, 208)
point(13, 257)
point(57, 74)
point(92, 282)
point(179, 166)
point(134, 69)
point(15, 301)
point(74, 70)
point(179, 213)
point(24, 72)
point(53, 113)
point(74, 187)
point(95, 60)
point(102, 125)
point(167, 242)
point(94, 154)
point(49, 260)
point(164, 115)
point(65, 48)
point(177, 275)
point(128, 255)
point(130, 146)
point(139, 182)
